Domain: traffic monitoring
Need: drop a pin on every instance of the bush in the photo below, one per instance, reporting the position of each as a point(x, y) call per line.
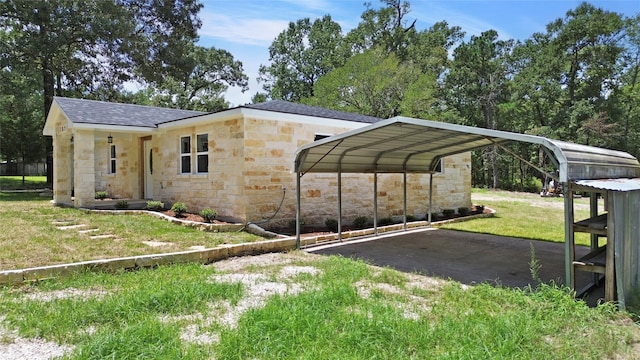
point(179, 209)
point(385, 221)
point(331, 224)
point(411, 218)
point(101, 195)
point(292, 225)
point(448, 213)
point(208, 215)
point(155, 205)
point(360, 222)
point(122, 205)
point(479, 209)
point(464, 211)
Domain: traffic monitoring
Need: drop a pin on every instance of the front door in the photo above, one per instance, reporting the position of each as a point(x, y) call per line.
point(148, 170)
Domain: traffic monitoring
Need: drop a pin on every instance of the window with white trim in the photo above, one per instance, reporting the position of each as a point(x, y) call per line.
point(202, 153)
point(185, 154)
point(112, 159)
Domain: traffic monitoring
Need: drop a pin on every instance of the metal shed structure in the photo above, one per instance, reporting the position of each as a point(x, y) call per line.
point(406, 145)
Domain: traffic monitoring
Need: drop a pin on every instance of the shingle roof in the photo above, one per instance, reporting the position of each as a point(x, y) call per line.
point(108, 113)
point(300, 109)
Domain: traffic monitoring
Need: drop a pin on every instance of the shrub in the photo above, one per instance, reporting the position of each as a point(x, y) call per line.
point(101, 195)
point(385, 221)
point(411, 218)
point(179, 209)
point(479, 209)
point(155, 205)
point(360, 222)
point(434, 216)
point(331, 224)
point(122, 205)
point(448, 213)
point(208, 215)
point(464, 211)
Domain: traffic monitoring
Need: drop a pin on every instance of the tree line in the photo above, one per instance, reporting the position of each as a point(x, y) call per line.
point(576, 81)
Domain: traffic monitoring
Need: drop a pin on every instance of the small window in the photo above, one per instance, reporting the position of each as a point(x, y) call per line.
point(112, 159)
point(185, 154)
point(202, 153)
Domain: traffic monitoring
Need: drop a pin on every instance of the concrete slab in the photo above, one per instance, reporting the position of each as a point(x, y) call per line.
point(469, 258)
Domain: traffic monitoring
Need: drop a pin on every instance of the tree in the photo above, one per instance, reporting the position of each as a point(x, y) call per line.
point(477, 84)
point(200, 82)
point(300, 55)
point(375, 83)
point(125, 39)
point(384, 28)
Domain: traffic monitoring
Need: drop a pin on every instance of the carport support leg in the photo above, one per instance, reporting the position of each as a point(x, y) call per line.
point(339, 205)
point(569, 250)
point(404, 210)
point(430, 197)
point(298, 210)
point(375, 203)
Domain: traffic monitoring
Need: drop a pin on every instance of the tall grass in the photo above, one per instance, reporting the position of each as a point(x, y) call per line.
point(143, 314)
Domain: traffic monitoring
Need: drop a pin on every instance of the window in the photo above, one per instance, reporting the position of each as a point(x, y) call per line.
point(185, 154)
point(202, 153)
point(112, 159)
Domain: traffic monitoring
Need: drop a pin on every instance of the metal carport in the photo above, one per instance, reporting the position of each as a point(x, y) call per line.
point(407, 145)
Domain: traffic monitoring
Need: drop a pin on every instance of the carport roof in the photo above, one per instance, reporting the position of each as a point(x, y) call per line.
point(404, 144)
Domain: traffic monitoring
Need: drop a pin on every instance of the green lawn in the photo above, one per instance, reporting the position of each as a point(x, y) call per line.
point(30, 236)
point(522, 215)
point(313, 308)
point(17, 183)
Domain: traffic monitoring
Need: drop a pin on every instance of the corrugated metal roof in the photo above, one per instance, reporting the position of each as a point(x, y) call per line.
point(307, 110)
point(413, 145)
point(612, 184)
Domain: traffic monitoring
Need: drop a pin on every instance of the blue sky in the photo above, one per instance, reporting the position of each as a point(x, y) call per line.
point(246, 28)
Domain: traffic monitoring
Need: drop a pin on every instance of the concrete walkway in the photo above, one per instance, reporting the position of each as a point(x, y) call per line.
point(469, 258)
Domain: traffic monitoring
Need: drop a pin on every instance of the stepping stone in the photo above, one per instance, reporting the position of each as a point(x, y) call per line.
point(69, 227)
point(106, 236)
point(156, 243)
point(88, 231)
point(61, 222)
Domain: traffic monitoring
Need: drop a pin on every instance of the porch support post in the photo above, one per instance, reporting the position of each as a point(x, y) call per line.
point(62, 168)
point(84, 168)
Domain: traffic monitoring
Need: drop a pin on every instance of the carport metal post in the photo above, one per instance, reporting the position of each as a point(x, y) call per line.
point(339, 203)
point(404, 210)
point(298, 176)
point(569, 249)
point(375, 202)
point(430, 197)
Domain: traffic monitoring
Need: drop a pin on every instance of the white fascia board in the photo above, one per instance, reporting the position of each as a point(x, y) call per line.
point(114, 128)
point(202, 119)
point(261, 114)
point(54, 113)
point(302, 119)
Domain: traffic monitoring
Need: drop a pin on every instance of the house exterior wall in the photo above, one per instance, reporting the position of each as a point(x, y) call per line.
point(221, 188)
point(270, 147)
point(124, 183)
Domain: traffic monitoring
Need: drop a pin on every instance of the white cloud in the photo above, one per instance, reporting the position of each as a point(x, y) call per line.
point(235, 29)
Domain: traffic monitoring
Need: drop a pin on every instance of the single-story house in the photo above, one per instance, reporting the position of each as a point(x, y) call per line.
point(237, 161)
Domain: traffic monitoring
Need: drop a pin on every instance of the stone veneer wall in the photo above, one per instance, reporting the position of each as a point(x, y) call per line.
point(250, 170)
point(220, 189)
point(124, 184)
point(270, 147)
